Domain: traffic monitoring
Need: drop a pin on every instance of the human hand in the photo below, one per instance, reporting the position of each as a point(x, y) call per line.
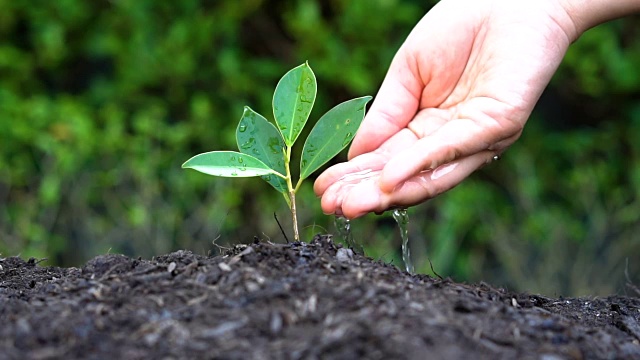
point(457, 93)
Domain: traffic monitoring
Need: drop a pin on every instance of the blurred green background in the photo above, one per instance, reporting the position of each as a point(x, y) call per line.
point(101, 102)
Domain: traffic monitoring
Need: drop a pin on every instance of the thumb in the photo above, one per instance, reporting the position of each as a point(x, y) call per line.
point(393, 108)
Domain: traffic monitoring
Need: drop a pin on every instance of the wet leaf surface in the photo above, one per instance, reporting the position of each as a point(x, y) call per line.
point(293, 100)
point(228, 164)
point(332, 133)
point(259, 138)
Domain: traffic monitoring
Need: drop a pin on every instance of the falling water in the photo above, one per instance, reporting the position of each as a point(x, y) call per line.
point(341, 223)
point(343, 226)
point(402, 218)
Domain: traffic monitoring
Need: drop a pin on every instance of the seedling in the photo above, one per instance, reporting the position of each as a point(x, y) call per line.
point(265, 149)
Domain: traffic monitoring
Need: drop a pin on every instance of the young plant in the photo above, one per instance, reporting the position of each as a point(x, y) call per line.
point(265, 150)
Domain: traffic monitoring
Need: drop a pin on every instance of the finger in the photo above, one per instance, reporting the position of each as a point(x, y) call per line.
point(333, 197)
point(457, 138)
point(370, 161)
point(355, 168)
point(395, 105)
point(357, 200)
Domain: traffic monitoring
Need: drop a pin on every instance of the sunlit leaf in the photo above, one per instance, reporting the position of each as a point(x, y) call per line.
point(333, 132)
point(293, 100)
point(228, 164)
point(257, 137)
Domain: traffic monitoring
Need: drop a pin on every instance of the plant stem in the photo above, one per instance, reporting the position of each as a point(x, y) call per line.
point(292, 194)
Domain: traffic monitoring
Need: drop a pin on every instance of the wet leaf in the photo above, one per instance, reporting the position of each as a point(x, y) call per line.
point(333, 132)
point(228, 164)
point(257, 137)
point(292, 101)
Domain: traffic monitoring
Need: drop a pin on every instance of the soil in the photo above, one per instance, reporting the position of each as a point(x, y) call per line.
point(292, 301)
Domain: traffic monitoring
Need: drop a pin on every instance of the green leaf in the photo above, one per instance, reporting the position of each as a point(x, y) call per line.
point(333, 132)
point(228, 164)
point(257, 137)
point(293, 100)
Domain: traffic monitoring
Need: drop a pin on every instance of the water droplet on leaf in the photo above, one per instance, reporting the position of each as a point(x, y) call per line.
point(347, 139)
point(248, 144)
point(274, 145)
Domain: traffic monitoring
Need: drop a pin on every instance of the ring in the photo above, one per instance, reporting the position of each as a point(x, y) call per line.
point(496, 157)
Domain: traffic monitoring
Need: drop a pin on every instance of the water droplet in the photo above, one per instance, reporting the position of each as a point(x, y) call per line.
point(274, 146)
point(402, 218)
point(356, 177)
point(347, 121)
point(234, 174)
point(232, 158)
point(242, 128)
point(347, 139)
point(248, 144)
point(303, 164)
point(240, 160)
point(310, 150)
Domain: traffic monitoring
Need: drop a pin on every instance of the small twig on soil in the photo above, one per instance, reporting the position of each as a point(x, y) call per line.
point(433, 270)
point(275, 216)
point(110, 270)
point(630, 283)
point(220, 247)
point(268, 238)
point(34, 261)
point(316, 225)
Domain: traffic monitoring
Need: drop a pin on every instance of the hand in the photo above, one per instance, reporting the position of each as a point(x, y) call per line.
point(457, 93)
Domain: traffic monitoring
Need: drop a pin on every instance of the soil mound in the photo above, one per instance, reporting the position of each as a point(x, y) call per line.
point(292, 301)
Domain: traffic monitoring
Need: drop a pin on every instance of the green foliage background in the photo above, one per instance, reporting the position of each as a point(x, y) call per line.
point(101, 101)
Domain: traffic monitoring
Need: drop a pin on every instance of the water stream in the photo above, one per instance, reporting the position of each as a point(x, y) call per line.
point(343, 225)
point(402, 218)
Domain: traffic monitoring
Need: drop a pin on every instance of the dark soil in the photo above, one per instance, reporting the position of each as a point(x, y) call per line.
point(292, 301)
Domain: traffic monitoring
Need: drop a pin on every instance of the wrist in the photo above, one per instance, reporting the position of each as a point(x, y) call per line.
point(585, 14)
